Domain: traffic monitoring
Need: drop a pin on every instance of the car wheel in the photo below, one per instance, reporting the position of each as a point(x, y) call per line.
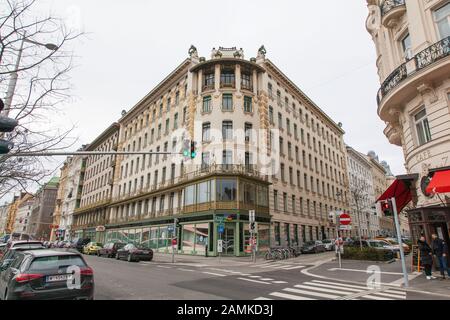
point(315, 250)
point(130, 258)
point(117, 256)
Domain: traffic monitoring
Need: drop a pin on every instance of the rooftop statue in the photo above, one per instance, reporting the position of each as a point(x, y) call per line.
point(193, 53)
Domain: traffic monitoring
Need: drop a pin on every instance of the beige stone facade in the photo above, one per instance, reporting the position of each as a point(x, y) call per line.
point(412, 39)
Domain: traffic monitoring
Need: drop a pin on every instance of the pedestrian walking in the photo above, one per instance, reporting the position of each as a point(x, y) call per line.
point(440, 251)
point(426, 257)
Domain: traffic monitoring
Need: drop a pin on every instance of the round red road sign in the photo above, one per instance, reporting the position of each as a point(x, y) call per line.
point(345, 219)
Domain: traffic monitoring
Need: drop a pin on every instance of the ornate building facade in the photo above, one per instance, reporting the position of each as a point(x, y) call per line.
point(412, 40)
point(262, 145)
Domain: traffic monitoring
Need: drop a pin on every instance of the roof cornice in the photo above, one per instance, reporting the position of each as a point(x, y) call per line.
point(103, 136)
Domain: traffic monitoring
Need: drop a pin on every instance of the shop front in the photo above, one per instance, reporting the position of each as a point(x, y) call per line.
point(196, 235)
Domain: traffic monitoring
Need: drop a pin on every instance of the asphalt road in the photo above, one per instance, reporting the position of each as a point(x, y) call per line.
point(121, 280)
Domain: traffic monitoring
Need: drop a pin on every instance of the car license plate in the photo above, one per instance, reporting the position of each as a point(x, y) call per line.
point(58, 278)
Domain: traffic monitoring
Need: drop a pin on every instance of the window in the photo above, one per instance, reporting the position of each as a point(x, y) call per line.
point(248, 104)
point(246, 82)
point(280, 121)
point(422, 127)
point(227, 77)
point(209, 80)
point(227, 102)
point(227, 157)
point(285, 202)
point(207, 104)
point(270, 90)
point(271, 115)
point(227, 130)
point(175, 121)
point(248, 159)
point(205, 159)
point(275, 200)
point(442, 19)
point(248, 131)
point(226, 190)
point(206, 132)
point(277, 233)
point(406, 46)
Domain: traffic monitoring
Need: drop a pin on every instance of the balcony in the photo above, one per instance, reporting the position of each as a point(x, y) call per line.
point(394, 135)
point(391, 10)
point(428, 66)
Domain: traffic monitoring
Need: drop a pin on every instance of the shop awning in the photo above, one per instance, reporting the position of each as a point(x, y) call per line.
point(401, 191)
point(440, 183)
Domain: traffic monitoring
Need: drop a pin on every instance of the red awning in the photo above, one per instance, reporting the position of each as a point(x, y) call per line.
point(440, 183)
point(400, 190)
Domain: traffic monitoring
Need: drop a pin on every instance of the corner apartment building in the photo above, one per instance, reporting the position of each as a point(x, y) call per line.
point(41, 218)
point(412, 40)
point(262, 145)
point(95, 182)
point(4, 209)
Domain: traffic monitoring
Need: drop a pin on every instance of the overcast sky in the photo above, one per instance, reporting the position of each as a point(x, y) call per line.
point(322, 46)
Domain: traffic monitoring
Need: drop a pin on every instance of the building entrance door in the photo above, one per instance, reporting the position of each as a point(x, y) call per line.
point(442, 232)
point(229, 239)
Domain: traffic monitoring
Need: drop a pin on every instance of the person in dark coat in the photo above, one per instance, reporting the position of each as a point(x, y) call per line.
point(426, 257)
point(440, 251)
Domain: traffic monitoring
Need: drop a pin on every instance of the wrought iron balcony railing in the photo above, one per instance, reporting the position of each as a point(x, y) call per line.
point(389, 5)
point(423, 59)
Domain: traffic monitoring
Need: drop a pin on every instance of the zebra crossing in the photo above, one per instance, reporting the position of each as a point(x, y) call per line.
point(332, 290)
point(280, 266)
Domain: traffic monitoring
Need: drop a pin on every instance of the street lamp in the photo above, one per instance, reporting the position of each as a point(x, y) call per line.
point(14, 76)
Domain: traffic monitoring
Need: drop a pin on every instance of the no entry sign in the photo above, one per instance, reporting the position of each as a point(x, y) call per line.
point(345, 219)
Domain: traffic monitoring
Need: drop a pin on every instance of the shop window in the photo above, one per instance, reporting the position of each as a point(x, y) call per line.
point(277, 234)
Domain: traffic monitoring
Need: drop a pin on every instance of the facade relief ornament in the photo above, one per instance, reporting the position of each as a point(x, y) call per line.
point(373, 21)
point(216, 54)
point(428, 93)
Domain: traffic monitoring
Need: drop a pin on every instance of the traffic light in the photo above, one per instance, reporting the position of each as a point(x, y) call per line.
point(186, 148)
point(193, 149)
point(253, 227)
point(386, 207)
point(6, 125)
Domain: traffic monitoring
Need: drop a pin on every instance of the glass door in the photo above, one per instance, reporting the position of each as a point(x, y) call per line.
point(229, 239)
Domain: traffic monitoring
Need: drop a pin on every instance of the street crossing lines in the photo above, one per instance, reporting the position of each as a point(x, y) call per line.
point(281, 266)
point(214, 274)
point(328, 290)
point(255, 281)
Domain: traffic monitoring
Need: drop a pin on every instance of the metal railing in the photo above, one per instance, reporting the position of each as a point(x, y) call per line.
point(423, 59)
point(389, 5)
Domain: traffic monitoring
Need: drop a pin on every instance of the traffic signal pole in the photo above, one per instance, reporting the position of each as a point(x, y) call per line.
point(400, 243)
point(338, 226)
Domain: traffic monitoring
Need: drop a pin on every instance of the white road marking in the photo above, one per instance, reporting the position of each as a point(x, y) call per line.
point(256, 281)
point(187, 270)
point(375, 298)
point(289, 296)
point(164, 267)
point(266, 279)
point(314, 294)
point(365, 271)
point(279, 282)
point(255, 277)
point(262, 298)
point(395, 296)
point(341, 284)
point(293, 268)
point(334, 287)
point(324, 290)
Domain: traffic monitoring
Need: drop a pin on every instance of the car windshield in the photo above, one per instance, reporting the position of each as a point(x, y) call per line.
point(310, 243)
point(377, 244)
point(55, 262)
point(326, 241)
point(120, 245)
point(98, 244)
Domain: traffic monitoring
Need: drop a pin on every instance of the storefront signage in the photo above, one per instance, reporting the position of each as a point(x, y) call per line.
point(100, 229)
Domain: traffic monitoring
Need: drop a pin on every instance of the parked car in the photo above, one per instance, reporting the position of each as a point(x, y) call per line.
point(315, 246)
point(80, 243)
point(110, 249)
point(134, 254)
point(329, 244)
point(376, 244)
point(44, 275)
point(393, 242)
point(92, 248)
point(5, 238)
point(24, 244)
